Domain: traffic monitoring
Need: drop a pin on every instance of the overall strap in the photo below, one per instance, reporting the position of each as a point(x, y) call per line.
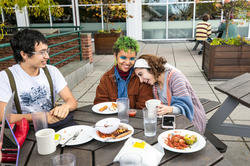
point(13, 88)
point(46, 71)
point(169, 96)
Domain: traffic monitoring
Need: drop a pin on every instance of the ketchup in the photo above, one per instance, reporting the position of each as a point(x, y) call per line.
point(132, 113)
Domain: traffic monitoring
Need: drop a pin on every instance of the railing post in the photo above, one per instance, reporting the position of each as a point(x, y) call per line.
point(80, 45)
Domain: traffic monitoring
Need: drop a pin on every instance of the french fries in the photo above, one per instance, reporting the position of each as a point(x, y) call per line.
point(103, 108)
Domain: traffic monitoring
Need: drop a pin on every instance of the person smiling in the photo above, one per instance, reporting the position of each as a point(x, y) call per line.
point(120, 80)
point(172, 88)
point(35, 91)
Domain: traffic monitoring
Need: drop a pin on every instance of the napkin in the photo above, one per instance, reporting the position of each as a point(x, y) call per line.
point(151, 155)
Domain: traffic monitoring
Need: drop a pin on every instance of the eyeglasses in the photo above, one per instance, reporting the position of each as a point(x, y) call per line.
point(124, 58)
point(42, 52)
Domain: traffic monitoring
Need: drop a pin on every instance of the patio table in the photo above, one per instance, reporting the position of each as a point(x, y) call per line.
point(95, 153)
point(238, 92)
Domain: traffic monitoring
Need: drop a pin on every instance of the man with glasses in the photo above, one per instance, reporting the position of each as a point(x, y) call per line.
point(36, 82)
point(121, 81)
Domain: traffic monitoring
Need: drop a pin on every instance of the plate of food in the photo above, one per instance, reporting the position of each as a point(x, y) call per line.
point(181, 141)
point(105, 108)
point(123, 132)
point(83, 137)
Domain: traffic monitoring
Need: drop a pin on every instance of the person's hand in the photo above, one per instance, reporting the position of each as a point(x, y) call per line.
point(61, 111)
point(164, 109)
point(52, 119)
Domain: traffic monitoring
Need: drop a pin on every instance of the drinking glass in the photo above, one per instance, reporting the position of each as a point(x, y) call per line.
point(66, 159)
point(123, 107)
point(150, 122)
point(39, 120)
point(130, 159)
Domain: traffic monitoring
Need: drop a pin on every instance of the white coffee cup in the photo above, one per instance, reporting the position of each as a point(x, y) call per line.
point(46, 143)
point(152, 105)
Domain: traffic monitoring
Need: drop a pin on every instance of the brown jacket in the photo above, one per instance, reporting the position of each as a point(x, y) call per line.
point(138, 92)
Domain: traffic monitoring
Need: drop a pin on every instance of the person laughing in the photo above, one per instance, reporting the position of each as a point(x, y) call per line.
point(120, 80)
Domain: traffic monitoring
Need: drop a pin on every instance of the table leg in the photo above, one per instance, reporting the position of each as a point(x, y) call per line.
point(215, 124)
point(219, 145)
point(222, 113)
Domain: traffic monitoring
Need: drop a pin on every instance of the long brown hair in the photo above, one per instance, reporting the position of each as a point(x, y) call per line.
point(156, 64)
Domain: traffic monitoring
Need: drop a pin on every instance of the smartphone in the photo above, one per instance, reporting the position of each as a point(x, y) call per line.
point(168, 122)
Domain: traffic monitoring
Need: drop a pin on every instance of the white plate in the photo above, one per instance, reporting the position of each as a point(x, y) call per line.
point(200, 144)
point(96, 136)
point(83, 137)
point(96, 108)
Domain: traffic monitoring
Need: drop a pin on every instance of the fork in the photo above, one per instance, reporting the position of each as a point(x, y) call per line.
point(72, 138)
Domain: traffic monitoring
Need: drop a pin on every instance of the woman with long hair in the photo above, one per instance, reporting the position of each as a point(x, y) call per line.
point(172, 88)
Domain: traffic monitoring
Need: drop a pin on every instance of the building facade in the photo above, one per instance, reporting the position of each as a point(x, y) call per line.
point(151, 19)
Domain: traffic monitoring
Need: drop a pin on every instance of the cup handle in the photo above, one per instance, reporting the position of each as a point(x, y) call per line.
point(57, 139)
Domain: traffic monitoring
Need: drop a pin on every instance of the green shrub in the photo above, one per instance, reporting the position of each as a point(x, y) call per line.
point(230, 41)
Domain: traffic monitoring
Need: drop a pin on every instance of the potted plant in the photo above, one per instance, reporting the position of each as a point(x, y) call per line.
point(226, 58)
point(113, 10)
point(229, 57)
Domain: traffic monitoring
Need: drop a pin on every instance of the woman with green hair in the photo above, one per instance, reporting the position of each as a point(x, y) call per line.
point(120, 80)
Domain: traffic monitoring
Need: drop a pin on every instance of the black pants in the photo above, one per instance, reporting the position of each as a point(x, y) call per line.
point(197, 44)
point(68, 121)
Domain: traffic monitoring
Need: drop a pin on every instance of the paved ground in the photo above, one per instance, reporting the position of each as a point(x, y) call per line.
point(189, 62)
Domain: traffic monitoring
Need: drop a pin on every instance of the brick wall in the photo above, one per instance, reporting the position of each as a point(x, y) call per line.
point(86, 50)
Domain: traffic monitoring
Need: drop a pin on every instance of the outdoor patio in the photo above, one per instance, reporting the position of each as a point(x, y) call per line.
point(189, 62)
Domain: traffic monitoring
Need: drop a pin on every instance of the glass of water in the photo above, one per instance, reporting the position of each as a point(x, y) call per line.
point(66, 159)
point(123, 108)
point(130, 159)
point(150, 122)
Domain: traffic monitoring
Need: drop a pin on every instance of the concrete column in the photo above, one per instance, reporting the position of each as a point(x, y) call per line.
point(22, 17)
point(75, 10)
point(134, 25)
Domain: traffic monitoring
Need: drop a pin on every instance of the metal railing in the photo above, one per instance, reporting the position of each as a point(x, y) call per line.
point(77, 29)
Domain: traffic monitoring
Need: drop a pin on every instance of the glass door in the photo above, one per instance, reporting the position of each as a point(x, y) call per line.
point(154, 19)
point(180, 20)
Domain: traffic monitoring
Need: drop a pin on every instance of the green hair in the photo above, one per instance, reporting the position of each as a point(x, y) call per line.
point(125, 43)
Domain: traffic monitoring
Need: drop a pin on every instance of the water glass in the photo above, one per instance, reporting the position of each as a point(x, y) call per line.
point(150, 122)
point(39, 120)
point(66, 159)
point(130, 159)
point(123, 108)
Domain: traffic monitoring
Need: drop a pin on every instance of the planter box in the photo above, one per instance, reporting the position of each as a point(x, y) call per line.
point(104, 42)
point(225, 62)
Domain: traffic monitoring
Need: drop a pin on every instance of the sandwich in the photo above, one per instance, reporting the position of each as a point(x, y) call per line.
point(118, 133)
point(113, 107)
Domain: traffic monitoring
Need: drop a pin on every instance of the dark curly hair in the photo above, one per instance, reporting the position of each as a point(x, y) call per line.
point(156, 63)
point(205, 17)
point(25, 40)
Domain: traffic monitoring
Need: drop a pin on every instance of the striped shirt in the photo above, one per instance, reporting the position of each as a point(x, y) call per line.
point(203, 31)
point(181, 89)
